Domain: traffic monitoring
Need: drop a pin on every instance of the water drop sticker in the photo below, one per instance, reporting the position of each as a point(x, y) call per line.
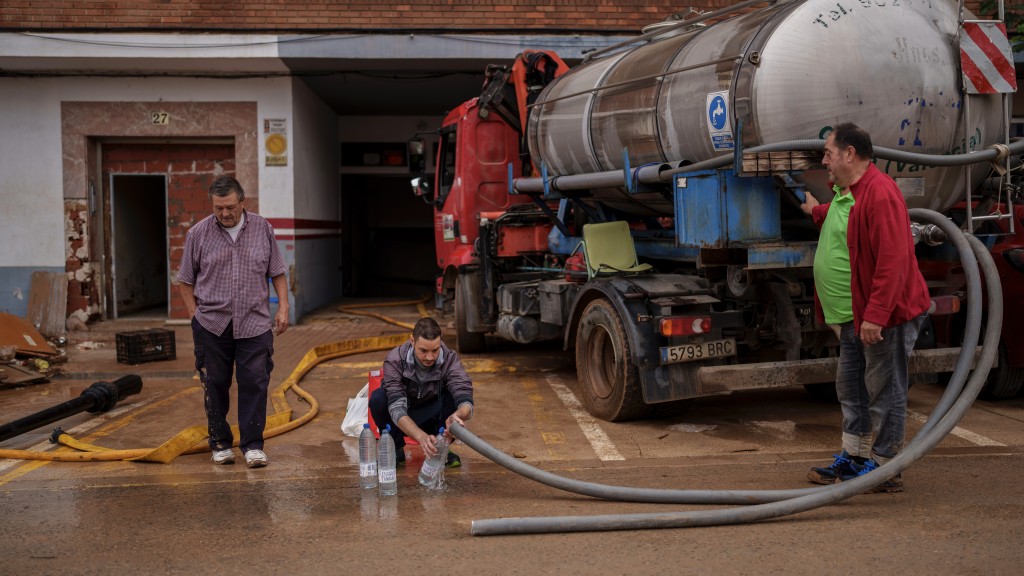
point(719, 126)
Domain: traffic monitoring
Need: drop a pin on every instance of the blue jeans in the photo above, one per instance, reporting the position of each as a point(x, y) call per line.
point(217, 357)
point(872, 383)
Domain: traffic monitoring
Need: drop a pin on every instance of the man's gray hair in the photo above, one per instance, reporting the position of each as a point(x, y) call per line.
point(225, 186)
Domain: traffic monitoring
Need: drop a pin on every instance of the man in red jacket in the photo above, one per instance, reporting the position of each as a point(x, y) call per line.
point(871, 292)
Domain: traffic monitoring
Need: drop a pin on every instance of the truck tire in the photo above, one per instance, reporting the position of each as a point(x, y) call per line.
point(466, 342)
point(609, 382)
point(1004, 381)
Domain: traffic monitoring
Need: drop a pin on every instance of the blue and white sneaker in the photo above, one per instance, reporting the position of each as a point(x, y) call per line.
point(892, 485)
point(843, 465)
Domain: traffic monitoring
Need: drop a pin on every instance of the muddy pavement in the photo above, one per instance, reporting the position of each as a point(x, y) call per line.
point(960, 514)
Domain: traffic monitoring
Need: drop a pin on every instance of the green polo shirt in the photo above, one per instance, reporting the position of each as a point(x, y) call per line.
point(832, 263)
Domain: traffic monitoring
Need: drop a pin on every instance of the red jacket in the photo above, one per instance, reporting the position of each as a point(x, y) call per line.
point(887, 285)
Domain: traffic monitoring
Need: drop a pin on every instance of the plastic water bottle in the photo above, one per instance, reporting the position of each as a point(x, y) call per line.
point(367, 458)
point(432, 471)
point(386, 473)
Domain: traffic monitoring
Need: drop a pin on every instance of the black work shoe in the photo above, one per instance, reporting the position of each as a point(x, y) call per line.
point(842, 466)
point(400, 456)
point(453, 460)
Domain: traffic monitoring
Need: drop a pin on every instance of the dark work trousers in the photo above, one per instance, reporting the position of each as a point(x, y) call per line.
point(429, 416)
point(216, 359)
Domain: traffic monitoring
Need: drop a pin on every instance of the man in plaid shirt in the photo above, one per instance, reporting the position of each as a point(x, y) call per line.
point(223, 279)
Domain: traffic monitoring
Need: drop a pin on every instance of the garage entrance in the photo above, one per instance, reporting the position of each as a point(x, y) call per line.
point(388, 245)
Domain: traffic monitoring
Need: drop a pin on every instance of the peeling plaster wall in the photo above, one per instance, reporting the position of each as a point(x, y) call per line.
point(31, 199)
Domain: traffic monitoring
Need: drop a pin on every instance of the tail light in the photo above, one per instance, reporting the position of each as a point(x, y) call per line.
point(1015, 257)
point(944, 305)
point(685, 325)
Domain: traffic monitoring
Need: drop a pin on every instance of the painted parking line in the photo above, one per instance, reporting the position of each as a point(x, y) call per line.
point(960, 432)
point(599, 441)
point(546, 419)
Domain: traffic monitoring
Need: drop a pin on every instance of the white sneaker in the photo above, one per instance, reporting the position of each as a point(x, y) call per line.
point(256, 458)
point(223, 456)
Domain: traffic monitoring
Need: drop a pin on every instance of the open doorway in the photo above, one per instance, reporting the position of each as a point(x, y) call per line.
point(139, 270)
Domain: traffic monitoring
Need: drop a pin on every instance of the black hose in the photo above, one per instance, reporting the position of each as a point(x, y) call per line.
point(100, 397)
point(777, 503)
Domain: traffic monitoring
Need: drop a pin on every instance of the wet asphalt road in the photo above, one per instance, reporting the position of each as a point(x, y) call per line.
point(960, 514)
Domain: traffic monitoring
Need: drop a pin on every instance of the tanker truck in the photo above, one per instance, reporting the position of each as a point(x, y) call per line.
point(638, 209)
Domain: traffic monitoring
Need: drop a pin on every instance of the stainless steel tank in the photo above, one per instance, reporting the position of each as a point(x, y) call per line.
point(790, 71)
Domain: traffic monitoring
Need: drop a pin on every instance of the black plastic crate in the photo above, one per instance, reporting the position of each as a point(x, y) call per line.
point(145, 346)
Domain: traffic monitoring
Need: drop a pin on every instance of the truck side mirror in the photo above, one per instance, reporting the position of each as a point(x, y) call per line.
point(417, 155)
point(421, 187)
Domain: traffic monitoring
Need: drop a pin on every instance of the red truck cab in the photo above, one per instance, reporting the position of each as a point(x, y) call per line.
point(473, 156)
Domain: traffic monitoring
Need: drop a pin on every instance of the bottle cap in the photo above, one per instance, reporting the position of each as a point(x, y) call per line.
point(441, 430)
point(366, 424)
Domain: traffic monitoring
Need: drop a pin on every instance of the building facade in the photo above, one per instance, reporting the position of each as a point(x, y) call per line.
point(117, 115)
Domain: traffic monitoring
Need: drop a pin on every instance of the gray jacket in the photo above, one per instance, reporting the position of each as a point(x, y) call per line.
point(405, 389)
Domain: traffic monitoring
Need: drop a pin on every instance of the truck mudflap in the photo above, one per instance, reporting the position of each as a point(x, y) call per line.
point(730, 378)
point(634, 299)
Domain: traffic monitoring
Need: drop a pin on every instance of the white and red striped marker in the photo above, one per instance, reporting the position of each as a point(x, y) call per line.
point(986, 59)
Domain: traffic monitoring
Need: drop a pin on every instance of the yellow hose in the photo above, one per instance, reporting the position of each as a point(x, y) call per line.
point(192, 439)
point(355, 309)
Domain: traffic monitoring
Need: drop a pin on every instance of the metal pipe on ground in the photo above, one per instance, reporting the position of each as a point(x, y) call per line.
point(778, 503)
point(100, 397)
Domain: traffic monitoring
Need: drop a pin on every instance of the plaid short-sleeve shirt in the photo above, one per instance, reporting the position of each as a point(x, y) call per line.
point(230, 277)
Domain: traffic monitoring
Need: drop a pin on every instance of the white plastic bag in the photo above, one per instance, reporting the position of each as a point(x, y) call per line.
point(355, 414)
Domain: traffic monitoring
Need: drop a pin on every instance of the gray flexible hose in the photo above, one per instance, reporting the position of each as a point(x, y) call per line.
point(964, 245)
point(775, 503)
point(658, 173)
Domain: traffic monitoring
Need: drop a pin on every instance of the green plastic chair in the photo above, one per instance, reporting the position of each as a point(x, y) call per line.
point(608, 248)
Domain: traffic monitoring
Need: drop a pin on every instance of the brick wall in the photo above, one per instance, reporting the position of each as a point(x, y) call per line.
point(511, 16)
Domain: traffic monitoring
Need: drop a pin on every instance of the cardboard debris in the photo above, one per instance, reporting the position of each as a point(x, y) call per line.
point(48, 302)
point(20, 333)
point(13, 375)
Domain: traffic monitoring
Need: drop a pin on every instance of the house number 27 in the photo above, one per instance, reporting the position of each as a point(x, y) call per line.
point(160, 118)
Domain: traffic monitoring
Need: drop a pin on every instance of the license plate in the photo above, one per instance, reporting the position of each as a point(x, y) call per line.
point(698, 351)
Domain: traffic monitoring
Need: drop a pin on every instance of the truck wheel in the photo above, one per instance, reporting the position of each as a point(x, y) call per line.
point(608, 379)
point(465, 341)
point(1004, 381)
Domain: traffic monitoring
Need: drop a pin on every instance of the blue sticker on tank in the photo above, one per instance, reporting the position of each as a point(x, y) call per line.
point(719, 127)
